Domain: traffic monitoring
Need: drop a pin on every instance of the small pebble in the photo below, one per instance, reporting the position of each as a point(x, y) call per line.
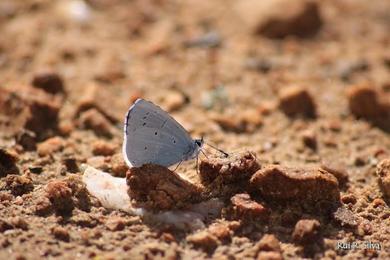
point(383, 173)
point(309, 139)
point(104, 148)
point(61, 233)
point(243, 207)
point(345, 218)
point(50, 146)
point(60, 196)
point(49, 81)
point(306, 231)
point(203, 239)
point(297, 101)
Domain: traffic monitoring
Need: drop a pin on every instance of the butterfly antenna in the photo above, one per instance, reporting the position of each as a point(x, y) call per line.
point(219, 150)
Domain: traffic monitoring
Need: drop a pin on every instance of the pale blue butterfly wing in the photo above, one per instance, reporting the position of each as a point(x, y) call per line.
point(151, 135)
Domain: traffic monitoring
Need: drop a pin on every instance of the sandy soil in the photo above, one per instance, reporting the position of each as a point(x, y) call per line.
point(300, 85)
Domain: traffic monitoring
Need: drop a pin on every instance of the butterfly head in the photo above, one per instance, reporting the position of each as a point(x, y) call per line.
point(199, 142)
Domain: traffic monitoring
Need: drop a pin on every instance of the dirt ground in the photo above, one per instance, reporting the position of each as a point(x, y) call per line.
point(299, 84)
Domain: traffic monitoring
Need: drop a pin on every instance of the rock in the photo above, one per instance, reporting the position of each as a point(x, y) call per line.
point(345, 218)
point(166, 189)
point(103, 148)
point(17, 184)
point(50, 146)
point(5, 225)
point(223, 231)
point(80, 195)
point(378, 203)
point(306, 231)
point(309, 139)
point(19, 222)
point(269, 243)
point(60, 196)
point(297, 101)
point(232, 169)
point(348, 199)
point(25, 107)
point(366, 102)
point(269, 255)
point(118, 165)
point(5, 196)
point(43, 207)
point(61, 233)
point(203, 239)
point(338, 170)
point(246, 122)
point(115, 224)
point(227, 176)
point(244, 208)
point(27, 139)
point(307, 185)
point(383, 172)
point(281, 18)
point(49, 81)
point(268, 248)
point(70, 164)
point(8, 163)
point(92, 119)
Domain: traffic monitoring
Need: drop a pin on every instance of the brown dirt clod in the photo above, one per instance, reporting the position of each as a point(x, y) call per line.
point(49, 81)
point(60, 196)
point(8, 161)
point(371, 104)
point(308, 185)
point(103, 148)
point(306, 231)
point(118, 165)
point(269, 243)
point(243, 207)
point(345, 218)
point(297, 101)
point(224, 175)
point(338, 170)
point(269, 255)
point(17, 184)
point(383, 172)
point(50, 146)
point(278, 19)
point(61, 233)
point(203, 239)
point(28, 108)
point(165, 189)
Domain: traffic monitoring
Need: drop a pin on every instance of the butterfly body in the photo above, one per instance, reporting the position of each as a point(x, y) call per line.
point(151, 135)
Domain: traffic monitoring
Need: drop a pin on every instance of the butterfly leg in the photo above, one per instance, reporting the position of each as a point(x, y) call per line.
point(204, 154)
point(197, 159)
point(177, 166)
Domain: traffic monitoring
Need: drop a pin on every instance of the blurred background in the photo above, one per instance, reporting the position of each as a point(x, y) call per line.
point(205, 59)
